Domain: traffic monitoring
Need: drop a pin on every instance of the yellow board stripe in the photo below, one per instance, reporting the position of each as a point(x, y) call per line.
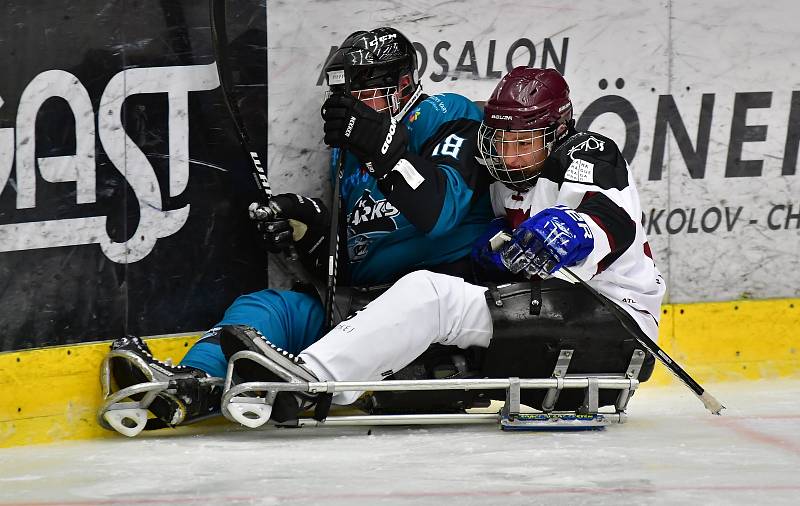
point(724, 341)
point(52, 394)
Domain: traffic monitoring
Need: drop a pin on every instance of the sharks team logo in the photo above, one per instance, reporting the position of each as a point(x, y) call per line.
point(368, 218)
point(370, 215)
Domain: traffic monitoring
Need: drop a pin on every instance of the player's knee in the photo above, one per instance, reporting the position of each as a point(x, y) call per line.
point(417, 283)
point(260, 297)
point(417, 277)
point(431, 290)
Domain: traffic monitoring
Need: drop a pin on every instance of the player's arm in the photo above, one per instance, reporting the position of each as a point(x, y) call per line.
point(602, 196)
point(436, 185)
point(592, 224)
point(612, 227)
point(431, 181)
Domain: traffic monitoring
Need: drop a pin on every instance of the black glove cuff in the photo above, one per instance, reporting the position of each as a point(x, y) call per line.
point(393, 148)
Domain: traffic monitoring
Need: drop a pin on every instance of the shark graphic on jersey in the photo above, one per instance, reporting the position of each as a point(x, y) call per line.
point(369, 218)
point(371, 215)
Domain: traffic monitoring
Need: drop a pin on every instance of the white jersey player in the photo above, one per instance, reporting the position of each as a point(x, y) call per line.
point(545, 168)
point(567, 199)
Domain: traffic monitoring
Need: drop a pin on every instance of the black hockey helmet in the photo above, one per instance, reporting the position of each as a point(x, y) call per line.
point(376, 60)
point(334, 66)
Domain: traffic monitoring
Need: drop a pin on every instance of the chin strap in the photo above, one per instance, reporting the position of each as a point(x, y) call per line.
point(409, 104)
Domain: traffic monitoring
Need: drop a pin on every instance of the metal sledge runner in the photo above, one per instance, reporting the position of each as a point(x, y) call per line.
point(249, 403)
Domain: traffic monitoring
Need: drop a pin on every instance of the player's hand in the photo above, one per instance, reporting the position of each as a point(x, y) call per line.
point(555, 237)
point(291, 219)
point(373, 137)
point(485, 253)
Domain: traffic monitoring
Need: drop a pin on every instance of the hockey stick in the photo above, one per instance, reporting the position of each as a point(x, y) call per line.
point(219, 40)
point(625, 319)
point(336, 202)
point(333, 244)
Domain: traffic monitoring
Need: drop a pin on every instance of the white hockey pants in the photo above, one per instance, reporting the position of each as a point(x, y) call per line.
point(420, 309)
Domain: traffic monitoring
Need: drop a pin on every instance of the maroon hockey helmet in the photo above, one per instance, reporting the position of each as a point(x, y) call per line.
point(528, 112)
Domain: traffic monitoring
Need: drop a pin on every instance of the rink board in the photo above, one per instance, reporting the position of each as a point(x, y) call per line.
point(52, 394)
point(706, 114)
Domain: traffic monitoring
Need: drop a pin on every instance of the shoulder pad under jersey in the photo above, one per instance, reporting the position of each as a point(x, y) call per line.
point(425, 119)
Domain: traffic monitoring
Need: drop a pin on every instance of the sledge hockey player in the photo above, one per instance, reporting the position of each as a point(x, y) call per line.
point(412, 198)
point(567, 199)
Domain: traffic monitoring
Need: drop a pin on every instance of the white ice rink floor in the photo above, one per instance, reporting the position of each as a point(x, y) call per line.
point(671, 451)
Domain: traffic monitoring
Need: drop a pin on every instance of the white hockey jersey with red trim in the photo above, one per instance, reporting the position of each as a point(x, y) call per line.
point(588, 173)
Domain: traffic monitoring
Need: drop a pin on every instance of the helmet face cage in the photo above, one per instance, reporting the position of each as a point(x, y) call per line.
point(501, 149)
point(372, 96)
point(387, 96)
point(368, 93)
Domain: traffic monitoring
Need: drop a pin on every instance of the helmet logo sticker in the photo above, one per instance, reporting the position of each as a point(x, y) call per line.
point(335, 77)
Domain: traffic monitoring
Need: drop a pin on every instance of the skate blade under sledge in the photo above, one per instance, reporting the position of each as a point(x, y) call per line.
point(560, 421)
point(127, 410)
point(242, 403)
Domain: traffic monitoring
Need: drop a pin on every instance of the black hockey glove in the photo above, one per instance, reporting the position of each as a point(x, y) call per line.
point(292, 219)
point(373, 137)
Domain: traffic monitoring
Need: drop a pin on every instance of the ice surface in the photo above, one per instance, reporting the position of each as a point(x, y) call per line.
point(671, 451)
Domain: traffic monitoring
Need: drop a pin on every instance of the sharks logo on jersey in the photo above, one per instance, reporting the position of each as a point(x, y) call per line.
point(370, 215)
point(358, 247)
point(368, 218)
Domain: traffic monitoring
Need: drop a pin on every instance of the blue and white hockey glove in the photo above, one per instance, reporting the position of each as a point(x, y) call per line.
point(484, 253)
point(554, 238)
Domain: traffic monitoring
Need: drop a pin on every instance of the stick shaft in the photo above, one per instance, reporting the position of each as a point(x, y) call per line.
point(630, 325)
point(333, 245)
point(336, 202)
point(219, 39)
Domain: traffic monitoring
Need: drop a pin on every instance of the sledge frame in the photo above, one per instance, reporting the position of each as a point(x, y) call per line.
point(237, 397)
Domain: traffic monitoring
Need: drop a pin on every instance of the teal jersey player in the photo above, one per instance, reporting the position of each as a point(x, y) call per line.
point(391, 229)
point(413, 196)
point(433, 224)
